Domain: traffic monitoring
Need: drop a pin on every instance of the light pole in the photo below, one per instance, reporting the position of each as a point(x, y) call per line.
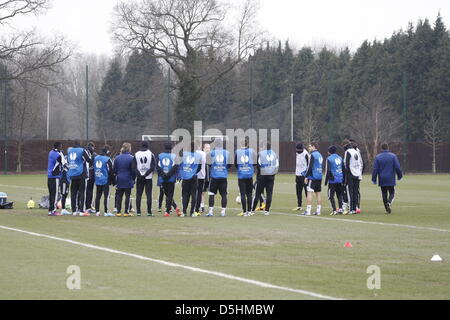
point(292, 117)
point(48, 114)
point(5, 163)
point(87, 104)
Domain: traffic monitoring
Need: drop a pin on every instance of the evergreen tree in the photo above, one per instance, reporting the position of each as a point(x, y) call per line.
point(111, 99)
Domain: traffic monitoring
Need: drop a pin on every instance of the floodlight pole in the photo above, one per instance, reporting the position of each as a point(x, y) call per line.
point(292, 117)
point(405, 118)
point(168, 105)
point(251, 93)
point(87, 104)
point(48, 114)
point(331, 122)
point(5, 163)
point(5, 123)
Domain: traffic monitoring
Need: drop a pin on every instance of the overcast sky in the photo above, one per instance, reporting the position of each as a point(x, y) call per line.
point(314, 22)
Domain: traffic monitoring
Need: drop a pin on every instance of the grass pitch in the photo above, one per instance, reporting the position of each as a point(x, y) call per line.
point(303, 253)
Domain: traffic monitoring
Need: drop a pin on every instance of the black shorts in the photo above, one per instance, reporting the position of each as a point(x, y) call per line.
point(220, 185)
point(314, 186)
point(206, 185)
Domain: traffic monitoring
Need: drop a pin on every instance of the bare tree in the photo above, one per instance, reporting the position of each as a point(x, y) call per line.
point(189, 36)
point(309, 130)
point(72, 92)
point(433, 134)
point(374, 121)
point(27, 101)
point(42, 54)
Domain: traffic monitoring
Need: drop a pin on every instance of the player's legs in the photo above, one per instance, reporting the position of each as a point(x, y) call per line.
point(345, 201)
point(352, 194)
point(300, 188)
point(242, 183)
point(98, 196)
point(223, 190)
point(319, 203)
point(89, 193)
point(314, 187)
point(53, 193)
point(358, 195)
point(269, 184)
point(186, 194)
point(391, 195)
point(74, 194)
point(161, 197)
point(246, 191)
point(249, 194)
point(205, 194)
point(200, 186)
point(149, 194)
point(106, 190)
point(64, 194)
point(259, 190)
point(82, 195)
point(339, 194)
point(169, 189)
point(116, 199)
point(331, 196)
point(119, 194)
point(194, 187)
point(309, 199)
point(127, 200)
point(213, 188)
point(140, 185)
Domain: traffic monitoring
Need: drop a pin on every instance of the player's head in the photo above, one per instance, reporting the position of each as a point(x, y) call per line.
point(332, 150)
point(192, 147)
point(300, 148)
point(76, 144)
point(218, 142)
point(198, 145)
point(313, 146)
point(346, 144)
point(206, 147)
point(126, 148)
point(106, 150)
point(168, 147)
point(263, 145)
point(58, 146)
point(353, 143)
point(385, 147)
point(91, 146)
point(244, 143)
point(145, 145)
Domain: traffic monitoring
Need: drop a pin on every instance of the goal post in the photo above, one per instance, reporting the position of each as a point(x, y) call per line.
point(174, 139)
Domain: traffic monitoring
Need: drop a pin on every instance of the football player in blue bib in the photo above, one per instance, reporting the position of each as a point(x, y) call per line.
point(218, 162)
point(54, 172)
point(77, 158)
point(335, 179)
point(189, 168)
point(245, 162)
point(314, 179)
point(103, 174)
point(268, 167)
point(167, 176)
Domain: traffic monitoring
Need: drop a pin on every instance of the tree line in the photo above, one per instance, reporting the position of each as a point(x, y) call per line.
point(182, 61)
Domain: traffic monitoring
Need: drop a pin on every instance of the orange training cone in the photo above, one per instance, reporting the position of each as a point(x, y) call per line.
point(348, 245)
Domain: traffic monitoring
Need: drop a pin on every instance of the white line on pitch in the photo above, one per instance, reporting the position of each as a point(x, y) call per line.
point(175, 265)
point(367, 222)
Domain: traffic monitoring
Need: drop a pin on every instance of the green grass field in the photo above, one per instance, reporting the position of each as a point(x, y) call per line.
point(302, 253)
